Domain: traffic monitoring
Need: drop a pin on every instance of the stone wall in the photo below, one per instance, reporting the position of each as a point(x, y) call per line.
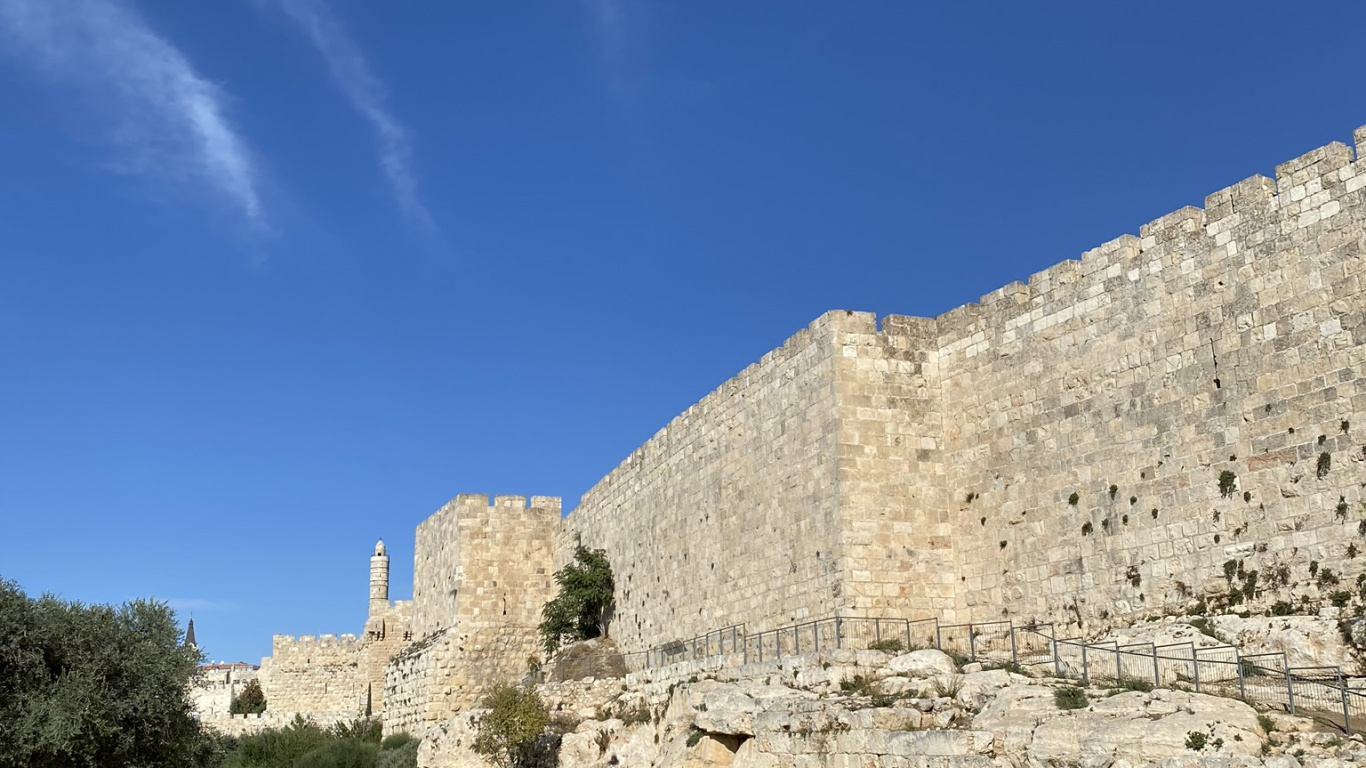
point(212, 692)
point(311, 674)
point(729, 513)
point(1230, 339)
point(482, 574)
point(925, 467)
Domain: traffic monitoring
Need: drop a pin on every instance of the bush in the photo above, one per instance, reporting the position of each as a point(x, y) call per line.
point(360, 729)
point(892, 645)
point(341, 753)
point(1195, 740)
point(580, 610)
point(507, 734)
point(396, 740)
point(279, 747)
point(1069, 697)
point(401, 756)
point(251, 701)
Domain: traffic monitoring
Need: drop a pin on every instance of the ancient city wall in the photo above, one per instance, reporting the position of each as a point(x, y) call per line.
point(482, 574)
point(314, 674)
point(729, 513)
point(1230, 339)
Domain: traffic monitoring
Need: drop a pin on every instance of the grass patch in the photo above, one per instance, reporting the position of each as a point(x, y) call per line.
point(1070, 697)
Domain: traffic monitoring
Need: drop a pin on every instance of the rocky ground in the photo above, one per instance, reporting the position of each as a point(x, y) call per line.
point(913, 710)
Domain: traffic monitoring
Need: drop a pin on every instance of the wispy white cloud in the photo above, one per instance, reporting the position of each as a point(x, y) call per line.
point(165, 118)
point(367, 95)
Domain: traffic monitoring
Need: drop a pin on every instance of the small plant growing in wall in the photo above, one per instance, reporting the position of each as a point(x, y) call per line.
point(580, 610)
point(1086, 528)
point(1114, 490)
point(1228, 483)
point(251, 701)
point(1324, 466)
point(1073, 499)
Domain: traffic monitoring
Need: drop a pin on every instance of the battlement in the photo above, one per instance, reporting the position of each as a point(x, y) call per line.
point(291, 643)
point(542, 503)
point(1305, 191)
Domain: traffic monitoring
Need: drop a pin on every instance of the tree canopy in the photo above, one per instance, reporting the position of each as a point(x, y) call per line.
point(94, 685)
point(584, 604)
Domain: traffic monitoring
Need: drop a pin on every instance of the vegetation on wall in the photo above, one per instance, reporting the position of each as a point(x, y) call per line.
point(581, 610)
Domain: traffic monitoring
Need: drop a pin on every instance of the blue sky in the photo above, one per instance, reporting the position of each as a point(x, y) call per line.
point(280, 277)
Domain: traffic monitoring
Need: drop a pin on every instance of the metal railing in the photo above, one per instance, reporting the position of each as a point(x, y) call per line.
point(1223, 670)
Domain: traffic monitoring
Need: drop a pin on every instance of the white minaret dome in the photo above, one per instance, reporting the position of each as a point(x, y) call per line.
point(379, 548)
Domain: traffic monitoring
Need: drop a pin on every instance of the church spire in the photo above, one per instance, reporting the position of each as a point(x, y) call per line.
point(189, 635)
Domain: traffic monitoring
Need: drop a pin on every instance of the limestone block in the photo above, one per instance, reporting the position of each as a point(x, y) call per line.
point(922, 664)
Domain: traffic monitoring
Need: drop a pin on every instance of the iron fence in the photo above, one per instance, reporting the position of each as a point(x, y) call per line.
point(1223, 670)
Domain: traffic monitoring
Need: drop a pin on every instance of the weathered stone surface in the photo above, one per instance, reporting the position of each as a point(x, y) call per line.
point(1307, 641)
point(597, 658)
point(922, 664)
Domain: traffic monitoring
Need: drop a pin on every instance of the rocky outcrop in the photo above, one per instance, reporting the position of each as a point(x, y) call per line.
point(597, 658)
point(865, 709)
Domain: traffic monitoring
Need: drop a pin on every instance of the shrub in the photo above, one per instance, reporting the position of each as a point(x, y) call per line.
point(1281, 608)
point(251, 701)
point(396, 740)
point(404, 756)
point(1132, 684)
point(1268, 725)
point(1073, 499)
point(858, 685)
point(1228, 483)
point(507, 733)
point(948, 686)
point(340, 753)
point(1195, 740)
point(890, 645)
point(580, 610)
point(1324, 466)
point(1070, 697)
point(361, 729)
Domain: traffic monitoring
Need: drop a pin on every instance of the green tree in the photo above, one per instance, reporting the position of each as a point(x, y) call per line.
point(508, 732)
point(581, 610)
point(94, 685)
point(251, 701)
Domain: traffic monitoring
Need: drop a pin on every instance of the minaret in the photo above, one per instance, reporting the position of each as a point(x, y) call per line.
point(379, 581)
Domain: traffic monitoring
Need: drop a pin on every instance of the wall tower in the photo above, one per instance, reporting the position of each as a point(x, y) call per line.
point(379, 581)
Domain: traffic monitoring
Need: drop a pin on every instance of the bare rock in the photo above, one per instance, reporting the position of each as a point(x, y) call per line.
point(597, 658)
point(921, 664)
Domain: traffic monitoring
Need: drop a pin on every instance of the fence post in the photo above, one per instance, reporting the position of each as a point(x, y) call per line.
point(1057, 661)
point(1085, 667)
point(1289, 684)
point(839, 626)
point(1119, 666)
point(908, 634)
point(1157, 673)
point(1195, 665)
point(877, 630)
point(938, 637)
point(1014, 650)
point(1242, 684)
point(1346, 713)
point(816, 636)
point(972, 643)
